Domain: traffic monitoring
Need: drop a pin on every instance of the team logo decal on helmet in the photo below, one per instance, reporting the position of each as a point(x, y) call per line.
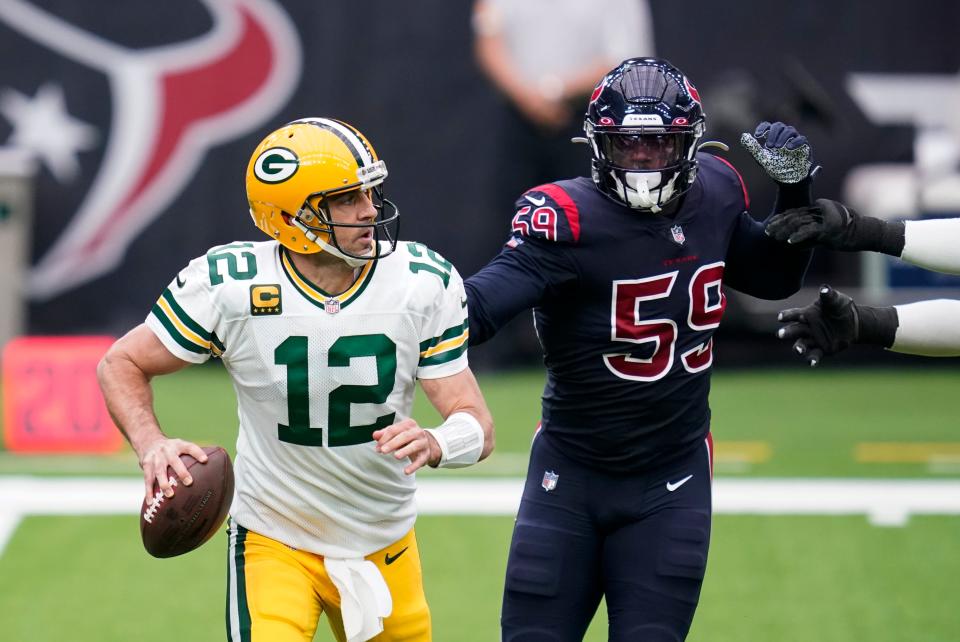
point(276, 165)
point(643, 123)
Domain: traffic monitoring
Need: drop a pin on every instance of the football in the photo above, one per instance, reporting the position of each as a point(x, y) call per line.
point(171, 526)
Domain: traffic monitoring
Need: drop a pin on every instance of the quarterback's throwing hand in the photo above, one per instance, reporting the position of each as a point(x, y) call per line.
point(164, 453)
point(407, 439)
point(780, 150)
point(827, 326)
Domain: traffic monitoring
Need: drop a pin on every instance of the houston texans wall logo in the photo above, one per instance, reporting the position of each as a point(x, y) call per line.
point(170, 104)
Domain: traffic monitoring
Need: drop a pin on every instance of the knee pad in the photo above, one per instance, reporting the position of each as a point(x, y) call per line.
point(685, 546)
point(534, 563)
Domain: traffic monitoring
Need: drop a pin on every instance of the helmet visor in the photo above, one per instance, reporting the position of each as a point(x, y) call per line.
point(646, 151)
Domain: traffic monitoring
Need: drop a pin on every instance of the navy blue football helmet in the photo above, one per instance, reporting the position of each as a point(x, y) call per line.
point(643, 124)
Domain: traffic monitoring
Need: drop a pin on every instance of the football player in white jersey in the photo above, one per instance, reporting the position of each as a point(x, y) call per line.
point(324, 330)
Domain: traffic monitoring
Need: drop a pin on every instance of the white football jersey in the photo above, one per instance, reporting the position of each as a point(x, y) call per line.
point(315, 375)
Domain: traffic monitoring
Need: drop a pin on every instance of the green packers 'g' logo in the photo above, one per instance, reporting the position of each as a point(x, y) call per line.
point(276, 165)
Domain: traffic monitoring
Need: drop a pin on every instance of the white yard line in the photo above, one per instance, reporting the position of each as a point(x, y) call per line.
point(883, 502)
point(8, 523)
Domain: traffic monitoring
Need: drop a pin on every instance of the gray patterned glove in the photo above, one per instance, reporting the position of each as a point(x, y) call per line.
point(781, 151)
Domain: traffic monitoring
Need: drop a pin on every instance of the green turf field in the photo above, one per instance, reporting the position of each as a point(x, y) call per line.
point(770, 578)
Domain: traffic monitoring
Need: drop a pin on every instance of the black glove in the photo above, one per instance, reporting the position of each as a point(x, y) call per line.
point(781, 151)
point(837, 227)
point(834, 321)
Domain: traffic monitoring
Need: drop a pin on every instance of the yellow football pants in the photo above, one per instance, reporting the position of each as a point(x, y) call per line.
point(277, 594)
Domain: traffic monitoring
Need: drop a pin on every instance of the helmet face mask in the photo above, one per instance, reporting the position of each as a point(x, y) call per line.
point(299, 170)
point(643, 123)
point(318, 224)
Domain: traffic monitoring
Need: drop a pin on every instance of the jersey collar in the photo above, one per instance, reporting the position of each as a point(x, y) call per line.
point(316, 295)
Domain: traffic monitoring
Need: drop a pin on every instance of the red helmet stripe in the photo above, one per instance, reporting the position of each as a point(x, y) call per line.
point(691, 89)
point(596, 91)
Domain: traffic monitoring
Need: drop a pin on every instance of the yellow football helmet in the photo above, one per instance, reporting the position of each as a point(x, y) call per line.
point(296, 168)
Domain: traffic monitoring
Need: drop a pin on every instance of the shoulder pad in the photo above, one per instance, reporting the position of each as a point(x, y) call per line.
point(547, 212)
point(709, 161)
point(421, 258)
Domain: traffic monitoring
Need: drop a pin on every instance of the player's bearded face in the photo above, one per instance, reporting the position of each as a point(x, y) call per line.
point(649, 151)
point(354, 208)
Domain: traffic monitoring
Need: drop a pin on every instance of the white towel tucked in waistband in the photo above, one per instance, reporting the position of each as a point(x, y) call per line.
point(364, 597)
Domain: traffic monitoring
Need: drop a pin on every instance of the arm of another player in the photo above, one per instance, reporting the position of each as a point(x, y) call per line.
point(124, 374)
point(464, 438)
point(525, 272)
point(929, 244)
point(834, 321)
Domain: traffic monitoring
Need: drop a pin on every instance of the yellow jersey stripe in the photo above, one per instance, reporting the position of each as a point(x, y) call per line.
point(186, 332)
point(449, 344)
point(312, 291)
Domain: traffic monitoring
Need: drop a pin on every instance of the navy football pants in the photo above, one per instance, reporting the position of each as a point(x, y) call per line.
point(640, 540)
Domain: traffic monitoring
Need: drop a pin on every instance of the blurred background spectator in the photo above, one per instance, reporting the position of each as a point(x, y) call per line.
point(545, 57)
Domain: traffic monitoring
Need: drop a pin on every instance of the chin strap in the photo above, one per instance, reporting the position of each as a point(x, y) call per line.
point(352, 261)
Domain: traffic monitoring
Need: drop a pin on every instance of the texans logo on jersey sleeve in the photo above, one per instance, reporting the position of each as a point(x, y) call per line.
point(119, 131)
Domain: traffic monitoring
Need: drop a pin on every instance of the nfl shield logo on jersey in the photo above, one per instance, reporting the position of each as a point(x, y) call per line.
point(331, 306)
point(678, 236)
point(549, 480)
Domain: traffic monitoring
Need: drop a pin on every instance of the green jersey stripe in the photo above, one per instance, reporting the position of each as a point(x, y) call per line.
point(238, 562)
point(171, 328)
point(184, 317)
point(444, 357)
point(449, 333)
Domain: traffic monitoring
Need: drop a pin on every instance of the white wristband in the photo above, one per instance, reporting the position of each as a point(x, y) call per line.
point(461, 440)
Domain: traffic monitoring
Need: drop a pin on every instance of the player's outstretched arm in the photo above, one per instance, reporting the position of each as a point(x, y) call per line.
point(124, 374)
point(928, 328)
point(464, 438)
point(932, 244)
point(835, 226)
point(833, 322)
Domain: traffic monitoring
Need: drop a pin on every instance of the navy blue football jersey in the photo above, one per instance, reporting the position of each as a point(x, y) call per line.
point(625, 306)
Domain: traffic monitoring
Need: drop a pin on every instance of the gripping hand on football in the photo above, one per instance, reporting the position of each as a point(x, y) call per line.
point(781, 151)
point(163, 453)
point(837, 227)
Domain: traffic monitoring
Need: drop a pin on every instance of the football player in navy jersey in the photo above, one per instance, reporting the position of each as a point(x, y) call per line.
point(625, 273)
